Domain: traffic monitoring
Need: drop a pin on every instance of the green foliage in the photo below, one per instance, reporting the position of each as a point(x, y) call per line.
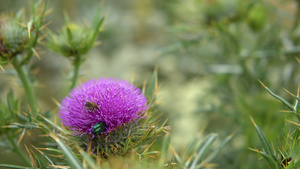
point(198, 153)
point(268, 153)
point(289, 150)
point(68, 154)
point(229, 44)
point(14, 125)
point(131, 141)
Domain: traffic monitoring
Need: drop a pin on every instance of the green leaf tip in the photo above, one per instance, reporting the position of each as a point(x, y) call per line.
point(286, 103)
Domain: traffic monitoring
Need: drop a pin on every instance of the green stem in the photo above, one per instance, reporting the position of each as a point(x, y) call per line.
point(17, 149)
point(75, 72)
point(27, 86)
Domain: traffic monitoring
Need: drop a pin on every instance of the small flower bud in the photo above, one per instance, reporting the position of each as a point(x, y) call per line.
point(13, 37)
point(73, 40)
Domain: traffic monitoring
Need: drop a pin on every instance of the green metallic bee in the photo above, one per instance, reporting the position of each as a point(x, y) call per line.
point(99, 128)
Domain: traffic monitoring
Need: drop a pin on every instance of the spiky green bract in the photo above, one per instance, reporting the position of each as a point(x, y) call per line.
point(289, 150)
point(19, 35)
point(129, 150)
point(13, 36)
point(124, 138)
point(74, 40)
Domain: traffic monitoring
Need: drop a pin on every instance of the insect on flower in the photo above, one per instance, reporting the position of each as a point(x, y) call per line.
point(102, 105)
point(99, 128)
point(90, 106)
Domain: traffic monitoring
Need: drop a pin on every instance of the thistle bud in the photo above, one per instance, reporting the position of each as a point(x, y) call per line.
point(74, 40)
point(13, 37)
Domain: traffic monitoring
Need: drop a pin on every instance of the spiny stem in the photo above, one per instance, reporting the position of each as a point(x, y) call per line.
point(27, 86)
point(17, 149)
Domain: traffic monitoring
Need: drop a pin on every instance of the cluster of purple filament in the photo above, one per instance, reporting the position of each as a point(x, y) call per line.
point(118, 101)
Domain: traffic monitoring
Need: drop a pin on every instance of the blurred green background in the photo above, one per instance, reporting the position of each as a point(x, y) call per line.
point(209, 54)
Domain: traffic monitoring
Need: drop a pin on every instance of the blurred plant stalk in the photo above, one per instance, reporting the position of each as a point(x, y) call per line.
point(27, 86)
point(18, 42)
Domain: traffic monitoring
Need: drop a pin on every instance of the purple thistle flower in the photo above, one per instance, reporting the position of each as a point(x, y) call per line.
point(108, 100)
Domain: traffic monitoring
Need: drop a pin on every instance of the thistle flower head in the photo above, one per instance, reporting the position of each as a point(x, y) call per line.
point(99, 106)
point(13, 36)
